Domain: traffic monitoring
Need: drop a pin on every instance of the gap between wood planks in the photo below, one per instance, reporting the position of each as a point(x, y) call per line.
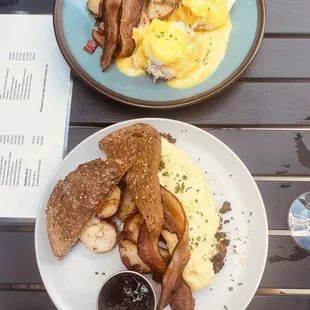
point(305, 127)
point(261, 291)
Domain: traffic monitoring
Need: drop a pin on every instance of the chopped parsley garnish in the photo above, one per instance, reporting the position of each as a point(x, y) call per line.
point(231, 288)
point(166, 173)
point(196, 200)
point(179, 188)
point(161, 165)
point(184, 177)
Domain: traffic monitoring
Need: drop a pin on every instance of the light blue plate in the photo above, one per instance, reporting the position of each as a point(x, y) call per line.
point(73, 26)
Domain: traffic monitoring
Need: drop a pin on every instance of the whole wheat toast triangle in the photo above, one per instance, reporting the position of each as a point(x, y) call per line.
point(76, 200)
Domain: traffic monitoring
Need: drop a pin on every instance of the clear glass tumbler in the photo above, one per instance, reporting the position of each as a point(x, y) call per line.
point(299, 220)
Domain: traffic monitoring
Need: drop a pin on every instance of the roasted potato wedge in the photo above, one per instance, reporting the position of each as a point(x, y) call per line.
point(160, 8)
point(130, 257)
point(165, 254)
point(144, 20)
point(98, 37)
point(171, 239)
point(94, 6)
point(110, 206)
point(132, 225)
point(99, 236)
point(127, 206)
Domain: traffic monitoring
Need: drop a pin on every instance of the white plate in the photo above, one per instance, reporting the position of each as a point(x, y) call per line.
point(73, 282)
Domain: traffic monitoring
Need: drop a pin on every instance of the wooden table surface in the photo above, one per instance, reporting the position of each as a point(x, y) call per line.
point(260, 118)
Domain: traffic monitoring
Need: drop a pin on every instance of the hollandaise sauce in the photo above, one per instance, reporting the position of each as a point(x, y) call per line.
point(213, 48)
point(173, 46)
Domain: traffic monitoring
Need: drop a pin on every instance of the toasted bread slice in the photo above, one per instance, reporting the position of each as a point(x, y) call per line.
point(139, 147)
point(76, 200)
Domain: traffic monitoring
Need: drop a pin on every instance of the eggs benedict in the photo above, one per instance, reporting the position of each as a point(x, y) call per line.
point(185, 48)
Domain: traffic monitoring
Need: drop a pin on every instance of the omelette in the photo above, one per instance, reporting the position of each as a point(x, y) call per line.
point(185, 47)
point(180, 175)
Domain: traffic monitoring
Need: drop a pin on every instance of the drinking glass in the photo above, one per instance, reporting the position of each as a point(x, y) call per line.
point(299, 220)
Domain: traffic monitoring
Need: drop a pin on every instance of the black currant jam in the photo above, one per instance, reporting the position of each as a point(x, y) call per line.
point(126, 292)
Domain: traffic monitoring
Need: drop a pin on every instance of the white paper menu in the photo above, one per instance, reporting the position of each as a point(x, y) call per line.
point(34, 105)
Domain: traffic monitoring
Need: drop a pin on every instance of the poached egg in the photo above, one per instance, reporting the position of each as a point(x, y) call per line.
point(186, 48)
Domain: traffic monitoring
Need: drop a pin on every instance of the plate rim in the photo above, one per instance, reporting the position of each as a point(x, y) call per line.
point(155, 105)
point(136, 120)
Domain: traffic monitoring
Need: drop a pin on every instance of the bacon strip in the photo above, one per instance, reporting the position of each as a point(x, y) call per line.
point(176, 219)
point(110, 12)
point(131, 12)
point(174, 289)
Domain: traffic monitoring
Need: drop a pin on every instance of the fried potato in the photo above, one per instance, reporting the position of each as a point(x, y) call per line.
point(99, 236)
point(144, 20)
point(98, 37)
point(171, 239)
point(165, 254)
point(127, 206)
point(94, 6)
point(160, 8)
point(110, 206)
point(130, 257)
point(131, 229)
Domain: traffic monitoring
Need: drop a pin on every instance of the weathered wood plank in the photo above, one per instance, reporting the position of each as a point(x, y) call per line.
point(242, 103)
point(263, 152)
point(19, 300)
point(287, 265)
point(279, 302)
point(17, 258)
point(286, 16)
point(270, 152)
point(278, 197)
point(281, 58)
point(12, 300)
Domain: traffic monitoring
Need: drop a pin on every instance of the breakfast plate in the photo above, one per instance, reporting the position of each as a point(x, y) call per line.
point(73, 25)
point(74, 282)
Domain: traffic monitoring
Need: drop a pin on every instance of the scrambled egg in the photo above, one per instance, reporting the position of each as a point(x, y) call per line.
point(186, 48)
point(183, 177)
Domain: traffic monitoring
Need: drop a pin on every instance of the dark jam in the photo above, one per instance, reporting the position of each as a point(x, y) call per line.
point(126, 292)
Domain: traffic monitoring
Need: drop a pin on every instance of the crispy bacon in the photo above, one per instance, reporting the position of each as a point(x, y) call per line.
point(90, 47)
point(183, 298)
point(131, 13)
point(110, 12)
point(174, 290)
point(98, 37)
point(176, 219)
